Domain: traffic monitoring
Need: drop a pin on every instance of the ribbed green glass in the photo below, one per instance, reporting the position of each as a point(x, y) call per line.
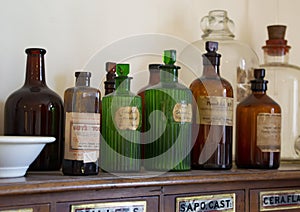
point(120, 146)
point(168, 140)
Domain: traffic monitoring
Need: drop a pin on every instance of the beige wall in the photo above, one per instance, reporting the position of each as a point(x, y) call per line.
point(74, 31)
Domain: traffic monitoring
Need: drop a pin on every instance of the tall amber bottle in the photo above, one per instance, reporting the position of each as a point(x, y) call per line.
point(214, 120)
point(258, 121)
point(82, 127)
point(36, 110)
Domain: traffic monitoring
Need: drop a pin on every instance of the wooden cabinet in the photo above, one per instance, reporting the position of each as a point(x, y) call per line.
point(232, 190)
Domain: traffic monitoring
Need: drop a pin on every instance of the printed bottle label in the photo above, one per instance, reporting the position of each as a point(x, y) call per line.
point(205, 203)
point(134, 206)
point(215, 110)
point(279, 200)
point(182, 112)
point(268, 132)
point(127, 118)
point(82, 136)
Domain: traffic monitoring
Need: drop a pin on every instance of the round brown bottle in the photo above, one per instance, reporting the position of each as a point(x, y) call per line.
point(36, 110)
point(258, 128)
point(212, 125)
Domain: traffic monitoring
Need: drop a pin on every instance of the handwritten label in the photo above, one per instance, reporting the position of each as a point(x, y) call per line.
point(82, 136)
point(279, 200)
point(268, 131)
point(127, 118)
point(182, 112)
point(215, 110)
point(135, 206)
point(220, 202)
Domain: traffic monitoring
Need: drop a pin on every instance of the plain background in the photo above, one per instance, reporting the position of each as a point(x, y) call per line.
point(74, 31)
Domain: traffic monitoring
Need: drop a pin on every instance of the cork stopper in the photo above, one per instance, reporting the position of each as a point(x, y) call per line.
point(276, 31)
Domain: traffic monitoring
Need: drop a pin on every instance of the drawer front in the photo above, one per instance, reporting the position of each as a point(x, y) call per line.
point(278, 199)
point(229, 201)
point(149, 204)
point(29, 208)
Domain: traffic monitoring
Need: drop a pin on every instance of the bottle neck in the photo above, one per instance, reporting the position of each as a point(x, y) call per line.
point(259, 92)
point(82, 81)
point(211, 71)
point(35, 67)
point(154, 77)
point(279, 57)
point(169, 74)
point(123, 84)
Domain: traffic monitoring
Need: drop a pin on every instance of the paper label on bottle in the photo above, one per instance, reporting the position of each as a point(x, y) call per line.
point(82, 136)
point(127, 118)
point(268, 132)
point(215, 110)
point(182, 112)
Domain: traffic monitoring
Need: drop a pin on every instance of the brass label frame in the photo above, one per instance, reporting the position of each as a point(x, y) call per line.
point(203, 203)
point(111, 206)
point(279, 200)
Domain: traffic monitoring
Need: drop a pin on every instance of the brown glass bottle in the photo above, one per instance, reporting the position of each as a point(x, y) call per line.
point(82, 127)
point(110, 84)
point(36, 110)
point(212, 125)
point(258, 122)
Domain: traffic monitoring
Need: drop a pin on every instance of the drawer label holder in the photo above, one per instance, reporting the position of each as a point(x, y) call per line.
point(216, 202)
point(132, 206)
point(18, 210)
point(279, 200)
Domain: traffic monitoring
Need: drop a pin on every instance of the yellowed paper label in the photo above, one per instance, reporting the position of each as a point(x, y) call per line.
point(182, 112)
point(82, 136)
point(127, 118)
point(268, 131)
point(215, 110)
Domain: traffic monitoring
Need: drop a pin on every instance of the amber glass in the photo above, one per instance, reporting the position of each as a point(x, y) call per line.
point(110, 84)
point(214, 109)
point(249, 152)
point(82, 127)
point(36, 110)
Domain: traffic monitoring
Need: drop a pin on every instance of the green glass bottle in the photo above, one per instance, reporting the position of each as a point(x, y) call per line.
point(168, 120)
point(122, 120)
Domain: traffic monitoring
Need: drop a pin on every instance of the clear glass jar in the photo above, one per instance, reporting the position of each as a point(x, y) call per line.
point(284, 87)
point(238, 59)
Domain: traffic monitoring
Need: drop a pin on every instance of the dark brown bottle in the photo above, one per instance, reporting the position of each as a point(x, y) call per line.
point(258, 128)
point(154, 78)
point(36, 110)
point(110, 84)
point(212, 124)
point(82, 127)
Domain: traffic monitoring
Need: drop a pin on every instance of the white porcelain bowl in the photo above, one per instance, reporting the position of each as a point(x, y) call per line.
point(18, 152)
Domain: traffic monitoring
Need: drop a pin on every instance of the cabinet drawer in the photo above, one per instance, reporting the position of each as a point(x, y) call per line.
point(27, 208)
point(138, 204)
point(277, 199)
point(229, 201)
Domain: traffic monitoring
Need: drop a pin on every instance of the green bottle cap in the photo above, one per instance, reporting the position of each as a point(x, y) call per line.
point(169, 57)
point(122, 70)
